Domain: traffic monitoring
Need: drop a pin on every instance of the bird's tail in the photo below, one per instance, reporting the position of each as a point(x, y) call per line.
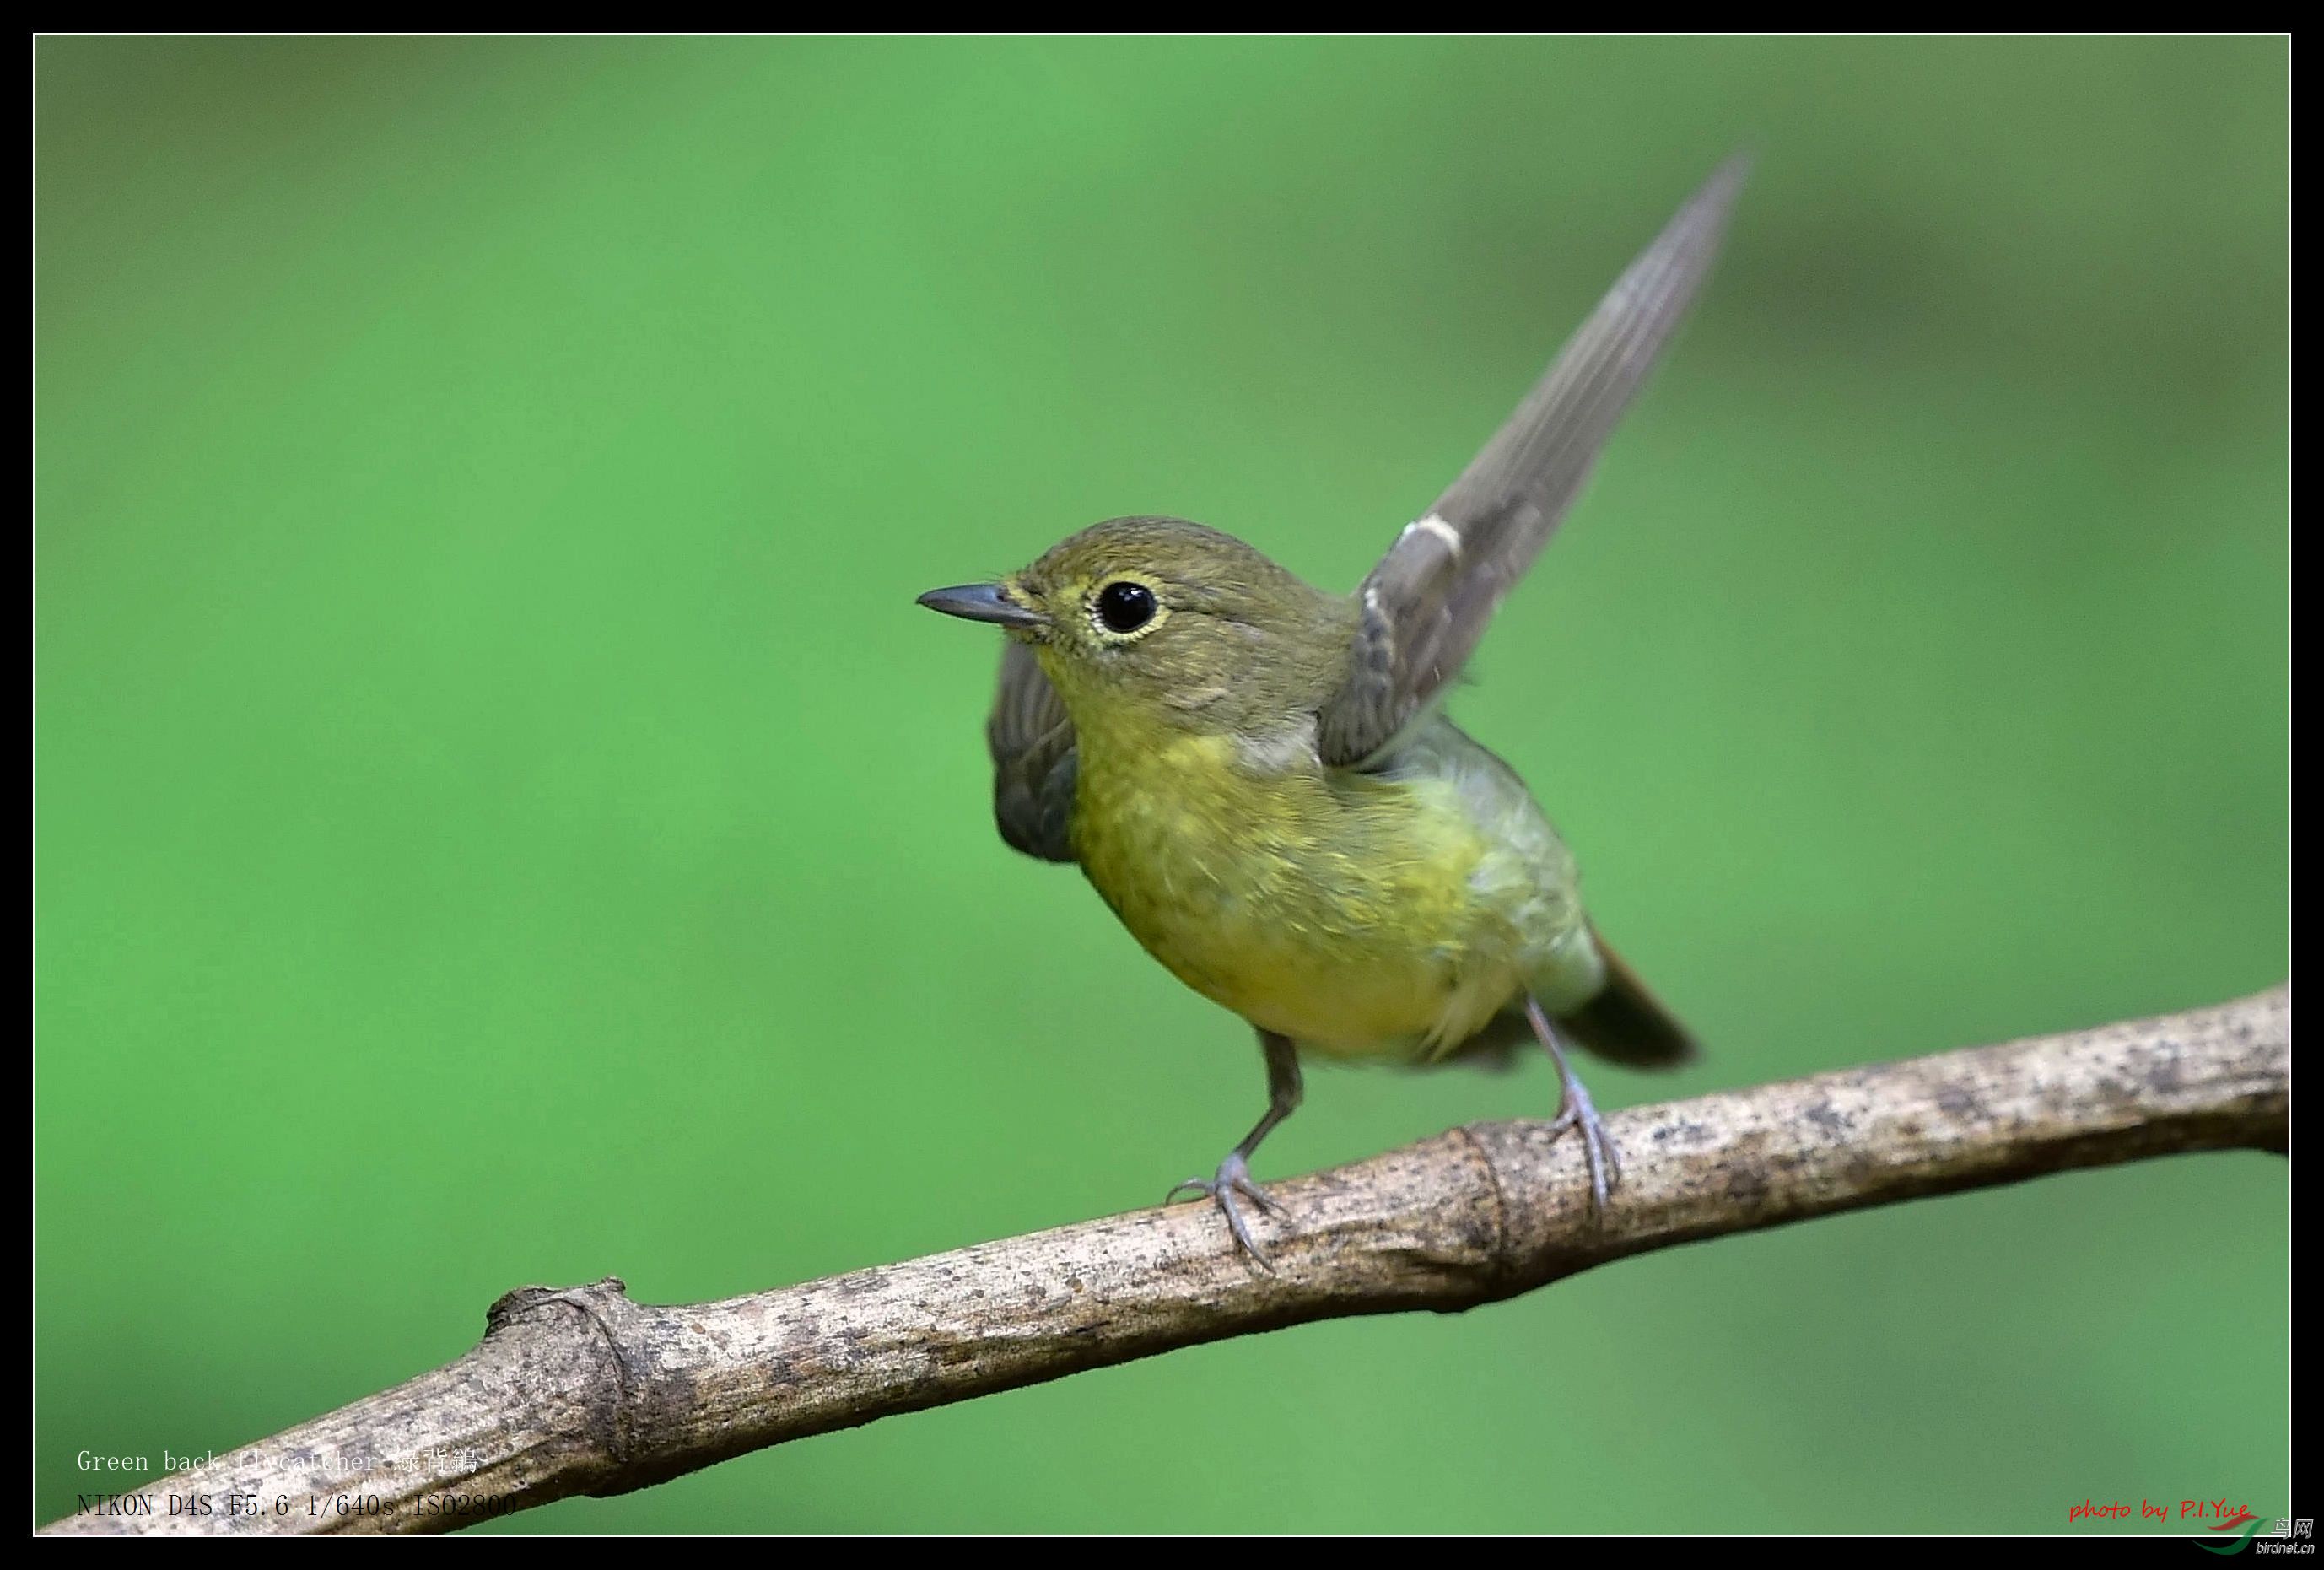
point(1626, 1023)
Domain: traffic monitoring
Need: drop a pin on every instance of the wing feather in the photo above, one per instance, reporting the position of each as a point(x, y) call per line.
point(1427, 603)
point(1033, 759)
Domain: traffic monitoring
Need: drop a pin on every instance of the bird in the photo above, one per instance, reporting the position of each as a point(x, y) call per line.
point(1258, 775)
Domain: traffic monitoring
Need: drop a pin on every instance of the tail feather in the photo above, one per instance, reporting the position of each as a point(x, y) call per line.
point(1626, 1023)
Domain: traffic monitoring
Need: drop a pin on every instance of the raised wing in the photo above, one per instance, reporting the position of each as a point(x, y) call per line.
point(1033, 761)
point(1427, 602)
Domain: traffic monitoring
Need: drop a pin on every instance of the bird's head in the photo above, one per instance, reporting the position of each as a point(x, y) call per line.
point(1160, 620)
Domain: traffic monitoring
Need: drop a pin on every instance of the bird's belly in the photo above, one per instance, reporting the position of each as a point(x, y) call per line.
point(1377, 1001)
point(1347, 915)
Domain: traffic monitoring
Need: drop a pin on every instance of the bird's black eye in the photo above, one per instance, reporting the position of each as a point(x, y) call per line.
point(1125, 607)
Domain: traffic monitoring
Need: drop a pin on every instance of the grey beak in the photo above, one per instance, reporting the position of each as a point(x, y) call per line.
point(982, 602)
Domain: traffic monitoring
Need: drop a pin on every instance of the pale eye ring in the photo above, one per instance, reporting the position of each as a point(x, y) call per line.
point(1124, 606)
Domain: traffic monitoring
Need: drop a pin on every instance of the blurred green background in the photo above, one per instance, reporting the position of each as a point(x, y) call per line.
point(502, 818)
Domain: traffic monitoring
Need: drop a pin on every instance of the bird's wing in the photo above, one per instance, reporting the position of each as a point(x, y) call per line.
point(1427, 604)
point(1032, 741)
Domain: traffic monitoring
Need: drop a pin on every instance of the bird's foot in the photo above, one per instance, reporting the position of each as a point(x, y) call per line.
point(1576, 1111)
point(1228, 1190)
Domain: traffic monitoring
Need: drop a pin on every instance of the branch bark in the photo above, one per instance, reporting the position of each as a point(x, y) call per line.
point(581, 1390)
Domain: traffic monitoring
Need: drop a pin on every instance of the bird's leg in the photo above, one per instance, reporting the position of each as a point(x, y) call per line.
point(1575, 1111)
point(1231, 1184)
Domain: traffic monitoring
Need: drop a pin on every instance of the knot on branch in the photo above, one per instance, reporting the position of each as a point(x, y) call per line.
point(581, 1339)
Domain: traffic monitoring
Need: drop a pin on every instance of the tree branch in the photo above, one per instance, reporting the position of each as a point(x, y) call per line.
point(581, 1390)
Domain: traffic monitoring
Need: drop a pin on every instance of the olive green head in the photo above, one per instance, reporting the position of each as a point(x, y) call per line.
point(1161, 618)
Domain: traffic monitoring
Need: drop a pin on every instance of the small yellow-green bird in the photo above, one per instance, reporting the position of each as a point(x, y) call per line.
point(1255, 776)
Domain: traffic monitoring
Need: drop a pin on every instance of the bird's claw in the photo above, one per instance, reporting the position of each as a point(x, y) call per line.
point(1227, 1189)
point(1574, 1111)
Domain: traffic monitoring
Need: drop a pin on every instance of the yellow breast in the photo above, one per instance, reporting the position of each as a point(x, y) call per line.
point(1337, 909)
